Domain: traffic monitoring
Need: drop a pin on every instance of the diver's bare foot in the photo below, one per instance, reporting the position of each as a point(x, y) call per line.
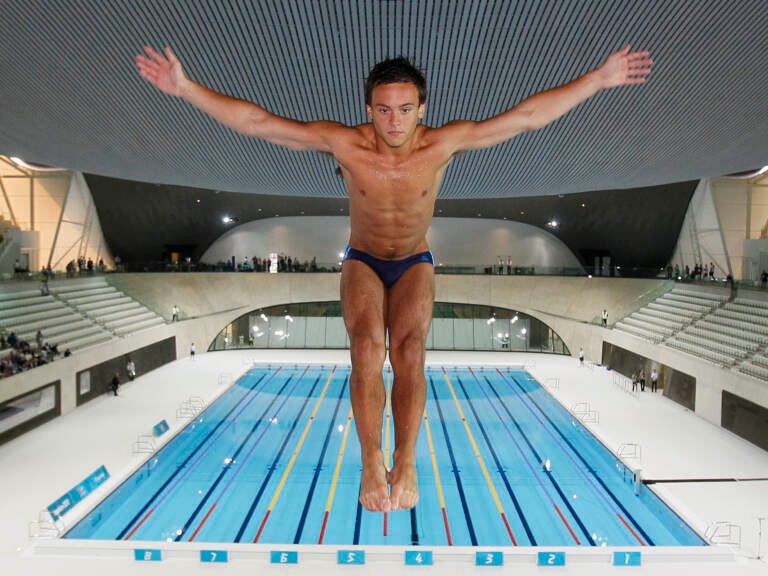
point(404, 483)
point(374, 492)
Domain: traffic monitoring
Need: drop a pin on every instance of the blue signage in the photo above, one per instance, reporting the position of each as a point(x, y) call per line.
point(283, 557)
point(551, 558)
point(147, 555)
point(66, 502)
point(627, 559)
point(350, 557)
point(160, 428)
point(418, 558)
point(489, 558)
point(214, 556)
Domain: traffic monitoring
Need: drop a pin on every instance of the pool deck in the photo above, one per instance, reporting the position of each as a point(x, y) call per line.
point(675, 444)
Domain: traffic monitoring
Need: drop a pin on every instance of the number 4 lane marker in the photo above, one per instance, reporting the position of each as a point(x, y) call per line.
point(418, 558)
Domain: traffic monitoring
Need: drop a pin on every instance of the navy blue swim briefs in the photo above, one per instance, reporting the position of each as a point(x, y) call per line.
point(389, 271)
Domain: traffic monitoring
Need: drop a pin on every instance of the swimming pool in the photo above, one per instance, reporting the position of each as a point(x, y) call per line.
point(276, 460)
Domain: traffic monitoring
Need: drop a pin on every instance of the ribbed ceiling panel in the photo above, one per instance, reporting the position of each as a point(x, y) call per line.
point(70, 95)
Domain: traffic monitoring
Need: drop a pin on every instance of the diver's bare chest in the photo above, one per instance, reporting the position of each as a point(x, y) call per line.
point(403, 182)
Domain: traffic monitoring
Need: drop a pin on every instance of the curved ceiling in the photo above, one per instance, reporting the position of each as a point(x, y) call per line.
point(70, 95)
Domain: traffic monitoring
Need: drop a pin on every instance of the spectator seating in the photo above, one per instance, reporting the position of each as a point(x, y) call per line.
point(75, 314)
point(703, 323)
point(108, 307)
point(25, 312)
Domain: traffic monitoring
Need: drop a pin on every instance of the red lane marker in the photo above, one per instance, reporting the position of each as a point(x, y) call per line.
point(322, 529)
point(576, 538)
point(642, 543)
point(261, 528)
point(385, 523)
point(509, 528)
point(205, 519)
point(132, 532)
point(447, 529)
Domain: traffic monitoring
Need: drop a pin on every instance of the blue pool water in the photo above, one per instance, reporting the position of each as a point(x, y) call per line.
point(276, 460)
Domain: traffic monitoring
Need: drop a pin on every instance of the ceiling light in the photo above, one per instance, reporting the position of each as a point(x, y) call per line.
point(553, 223)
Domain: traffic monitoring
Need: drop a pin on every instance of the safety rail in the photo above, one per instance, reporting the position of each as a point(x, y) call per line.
point(625, 384)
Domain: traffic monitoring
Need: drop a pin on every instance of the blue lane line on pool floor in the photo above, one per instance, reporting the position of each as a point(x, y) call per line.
point(499, 466)
point(582, 470)
point(537, 458)
point(264, 429)
point(319, 465)
point(202, 445)
point(273, 466)
point(454, 466)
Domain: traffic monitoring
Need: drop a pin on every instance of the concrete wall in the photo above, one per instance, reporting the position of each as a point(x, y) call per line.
point(570, 305)
point(711, 380)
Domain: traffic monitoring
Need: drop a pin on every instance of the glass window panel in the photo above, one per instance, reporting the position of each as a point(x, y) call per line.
point(483, 332)
point(297, 331)
point(442, 334)
point(454, 327)
point(335, 333)
point(315, 337)
point(463, 334)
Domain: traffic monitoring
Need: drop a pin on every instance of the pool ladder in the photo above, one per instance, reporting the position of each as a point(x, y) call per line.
point(45, 526)
point(190, 408)
point(725, 533)
point(145, 444)
point(584, 412)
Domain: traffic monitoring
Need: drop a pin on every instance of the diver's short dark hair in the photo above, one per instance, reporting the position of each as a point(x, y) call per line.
point(393, 71)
